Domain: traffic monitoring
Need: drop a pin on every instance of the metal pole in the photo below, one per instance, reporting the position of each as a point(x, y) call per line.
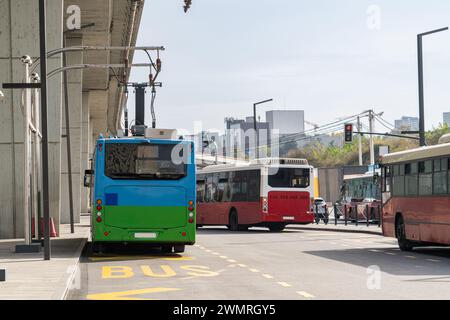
point(68, 139)
point(345, 214)
point(421, 94)
point(256, 131)
point(26, 151)
point(360, 142)
point(367, 214)
point(421, 97)
point(45, 178)
point(371, 129)
point(335, 214)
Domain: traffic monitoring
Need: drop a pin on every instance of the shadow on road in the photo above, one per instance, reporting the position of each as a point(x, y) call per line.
point(394, 261)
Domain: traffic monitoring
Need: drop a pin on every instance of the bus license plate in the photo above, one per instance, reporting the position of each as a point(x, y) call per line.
point(145, 235)
point(288, 218)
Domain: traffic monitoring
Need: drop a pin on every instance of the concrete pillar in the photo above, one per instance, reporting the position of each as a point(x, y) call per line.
point(20, 36)
point(86, 151)
point(74, 86)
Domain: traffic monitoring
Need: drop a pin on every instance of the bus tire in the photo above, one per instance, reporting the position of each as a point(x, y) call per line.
point(276, 227)
point(179, 248)
point(400, 233)
point(233, 221)
point(166, 249)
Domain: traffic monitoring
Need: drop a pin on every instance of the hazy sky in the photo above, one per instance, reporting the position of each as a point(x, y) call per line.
point(320, 56)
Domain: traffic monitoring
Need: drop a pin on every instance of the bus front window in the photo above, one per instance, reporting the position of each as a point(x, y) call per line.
point(290, 178)
point(142, 161)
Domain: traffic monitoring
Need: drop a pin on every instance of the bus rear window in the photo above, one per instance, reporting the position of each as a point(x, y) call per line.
point(290, 178)
point(142, 161)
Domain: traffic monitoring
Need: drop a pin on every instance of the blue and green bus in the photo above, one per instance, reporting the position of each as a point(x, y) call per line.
point(143, 191)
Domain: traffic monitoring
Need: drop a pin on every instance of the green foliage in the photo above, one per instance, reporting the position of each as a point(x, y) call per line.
point(331, 156)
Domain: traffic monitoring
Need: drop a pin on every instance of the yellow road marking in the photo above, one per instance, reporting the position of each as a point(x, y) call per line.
point(305, 294)
point(284, 284)
point(268, 276)
point(125, 295)
point(121, 258)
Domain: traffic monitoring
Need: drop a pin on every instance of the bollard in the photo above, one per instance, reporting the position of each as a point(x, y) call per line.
point(335, 214)
point(345, 214)
point(2, 275)
point(356, 215)
point(367, 214)
point(379, 216)
point(326, 214)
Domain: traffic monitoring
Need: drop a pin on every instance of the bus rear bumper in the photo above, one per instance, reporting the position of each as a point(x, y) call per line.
point(182, 235)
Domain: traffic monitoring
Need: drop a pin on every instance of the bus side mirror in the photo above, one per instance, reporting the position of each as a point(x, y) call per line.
point(88, 177)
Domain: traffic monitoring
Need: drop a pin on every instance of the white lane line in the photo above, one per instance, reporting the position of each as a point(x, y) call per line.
point(305, 294)
point(231, 261)
point(284, 284)
point(253, 270)
point(215, 253)
point(410, 257)
point(207, 250)
point(390, 253)
point(242, 265)
point(223, 257)
point(267, 276)
point(433, 260)
point(374, 250)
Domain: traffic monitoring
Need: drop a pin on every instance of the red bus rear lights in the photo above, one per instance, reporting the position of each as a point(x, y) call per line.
point(99, 219)
point(191, 220)
point(184, 234)
point(191, 208)
point(265, 205)
point(99, 207)
point(106, 233)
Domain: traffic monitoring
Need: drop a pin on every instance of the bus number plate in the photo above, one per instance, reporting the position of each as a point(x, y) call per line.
point(288, 218)
point(145, 235)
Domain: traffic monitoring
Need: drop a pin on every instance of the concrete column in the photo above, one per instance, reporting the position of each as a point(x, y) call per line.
point(74, 86)
point(20, 36)
point(86, 151)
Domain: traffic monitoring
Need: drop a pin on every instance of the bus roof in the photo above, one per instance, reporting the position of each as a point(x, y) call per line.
point(255, 164)
point(143, 139)
point(417, 154)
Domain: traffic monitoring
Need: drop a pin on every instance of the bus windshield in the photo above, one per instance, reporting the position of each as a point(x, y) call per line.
point(142, 161)
point(290, 178)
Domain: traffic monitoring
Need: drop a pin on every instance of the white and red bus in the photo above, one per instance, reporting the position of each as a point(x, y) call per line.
point(270, 192)
point(416, 196)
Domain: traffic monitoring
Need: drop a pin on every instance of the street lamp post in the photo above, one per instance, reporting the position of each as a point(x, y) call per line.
point(421, 95)
point(255, 126)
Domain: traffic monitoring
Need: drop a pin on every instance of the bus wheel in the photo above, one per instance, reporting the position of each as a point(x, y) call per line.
point(179, 249)
point(233, 221)
point(166, 249)
point(403, 243)
point(276, 227)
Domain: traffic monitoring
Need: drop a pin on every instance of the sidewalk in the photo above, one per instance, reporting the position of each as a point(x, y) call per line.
point(29, 277)
point(340, 227)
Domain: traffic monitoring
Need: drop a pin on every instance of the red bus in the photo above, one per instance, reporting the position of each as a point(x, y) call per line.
point(416, 196)
point(270, 192)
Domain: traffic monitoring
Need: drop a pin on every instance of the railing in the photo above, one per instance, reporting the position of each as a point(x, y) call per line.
point(356, 213)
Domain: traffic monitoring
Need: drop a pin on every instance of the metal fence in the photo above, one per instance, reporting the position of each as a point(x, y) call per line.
point(349, 214)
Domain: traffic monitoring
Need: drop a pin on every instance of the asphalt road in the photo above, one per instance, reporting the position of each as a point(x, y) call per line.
point(293, 264)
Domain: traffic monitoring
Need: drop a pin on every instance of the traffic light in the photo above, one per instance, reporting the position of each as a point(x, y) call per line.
point(348, 133)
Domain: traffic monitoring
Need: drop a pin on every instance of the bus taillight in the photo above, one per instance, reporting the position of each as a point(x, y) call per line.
point(191, 205)
point(99, 201)
point(191, 217)
point(265, 205)
point(99, 207)
point(99, 219)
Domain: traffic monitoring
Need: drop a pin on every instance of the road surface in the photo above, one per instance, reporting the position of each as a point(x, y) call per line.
point(293, 264)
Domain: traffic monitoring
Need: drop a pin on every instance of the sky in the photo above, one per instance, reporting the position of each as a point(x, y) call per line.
point(331, 58)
